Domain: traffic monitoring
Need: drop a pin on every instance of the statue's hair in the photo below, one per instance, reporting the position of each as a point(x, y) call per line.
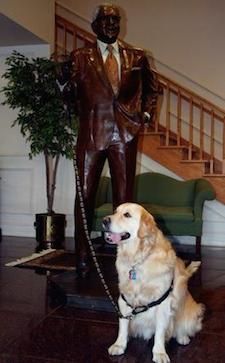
point(100, 8)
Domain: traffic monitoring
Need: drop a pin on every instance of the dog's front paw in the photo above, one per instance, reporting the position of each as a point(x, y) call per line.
point(116, 349)
point(184, 340)
point(161, 358)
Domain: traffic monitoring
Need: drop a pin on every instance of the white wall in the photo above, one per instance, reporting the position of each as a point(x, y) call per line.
point(38, 16)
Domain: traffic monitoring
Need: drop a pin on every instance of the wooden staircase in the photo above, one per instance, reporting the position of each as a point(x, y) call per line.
point(188, 134)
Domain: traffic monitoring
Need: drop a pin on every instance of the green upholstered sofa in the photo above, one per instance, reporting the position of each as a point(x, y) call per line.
point(176, 205)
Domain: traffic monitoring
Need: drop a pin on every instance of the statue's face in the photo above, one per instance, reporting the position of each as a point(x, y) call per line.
point(107, 24)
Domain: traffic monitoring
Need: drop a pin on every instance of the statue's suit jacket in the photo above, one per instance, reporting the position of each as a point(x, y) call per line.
point(99, 108)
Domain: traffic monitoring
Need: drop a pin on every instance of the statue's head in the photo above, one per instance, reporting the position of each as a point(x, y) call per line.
point(106, 23)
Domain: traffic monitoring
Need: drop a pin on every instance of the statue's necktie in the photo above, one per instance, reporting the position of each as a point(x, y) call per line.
point(111, 66)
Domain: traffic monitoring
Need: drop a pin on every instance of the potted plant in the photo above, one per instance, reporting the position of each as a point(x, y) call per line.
point(40, 89)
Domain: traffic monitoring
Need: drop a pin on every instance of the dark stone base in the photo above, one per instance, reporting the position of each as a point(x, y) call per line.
point(87, 293)
point(81, 293)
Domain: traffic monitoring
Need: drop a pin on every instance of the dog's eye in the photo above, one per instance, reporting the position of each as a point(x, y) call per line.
point(127, 215)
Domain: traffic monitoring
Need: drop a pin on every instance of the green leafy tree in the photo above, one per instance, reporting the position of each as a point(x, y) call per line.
point(43, 116)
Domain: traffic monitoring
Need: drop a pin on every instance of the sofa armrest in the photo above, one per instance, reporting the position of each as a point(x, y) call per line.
point(203, 191)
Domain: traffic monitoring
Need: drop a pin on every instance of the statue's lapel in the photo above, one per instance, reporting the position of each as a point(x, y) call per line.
point(97, 62)
point(125, 64)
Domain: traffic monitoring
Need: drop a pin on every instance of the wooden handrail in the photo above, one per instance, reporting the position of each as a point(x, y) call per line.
point(197, 99)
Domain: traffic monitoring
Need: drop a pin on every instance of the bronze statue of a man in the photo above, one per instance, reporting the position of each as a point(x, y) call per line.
point(115, 88)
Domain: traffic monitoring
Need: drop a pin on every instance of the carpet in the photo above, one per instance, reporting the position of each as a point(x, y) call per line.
point(51, 259)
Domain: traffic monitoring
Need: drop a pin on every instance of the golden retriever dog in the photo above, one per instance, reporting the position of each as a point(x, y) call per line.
point(154, 299)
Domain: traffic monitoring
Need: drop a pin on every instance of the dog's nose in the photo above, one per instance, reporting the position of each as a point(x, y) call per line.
point(106, 222)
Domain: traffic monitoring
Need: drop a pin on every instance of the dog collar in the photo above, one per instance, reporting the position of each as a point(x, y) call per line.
point(141, 309)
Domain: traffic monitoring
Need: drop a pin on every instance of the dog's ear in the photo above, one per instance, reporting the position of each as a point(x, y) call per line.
point(147, 227)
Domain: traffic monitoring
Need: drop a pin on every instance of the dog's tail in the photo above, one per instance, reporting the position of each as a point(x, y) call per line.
point(182, 275)
point(192, 268)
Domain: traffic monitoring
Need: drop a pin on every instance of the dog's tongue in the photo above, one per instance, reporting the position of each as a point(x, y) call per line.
point(112, 237)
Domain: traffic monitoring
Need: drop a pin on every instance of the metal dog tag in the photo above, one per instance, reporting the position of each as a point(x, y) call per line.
point(133, 274)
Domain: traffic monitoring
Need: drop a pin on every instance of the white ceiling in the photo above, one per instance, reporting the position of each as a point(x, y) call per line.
point(12, 33)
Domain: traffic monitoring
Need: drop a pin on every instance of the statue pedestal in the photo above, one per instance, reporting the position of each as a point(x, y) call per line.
point(89, 292)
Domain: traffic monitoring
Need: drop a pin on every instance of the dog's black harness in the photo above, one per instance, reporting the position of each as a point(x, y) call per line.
point(143, 308)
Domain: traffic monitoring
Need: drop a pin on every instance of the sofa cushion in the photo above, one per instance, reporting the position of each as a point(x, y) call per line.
point(104, 210)
point(169, 213)
point(161, 189)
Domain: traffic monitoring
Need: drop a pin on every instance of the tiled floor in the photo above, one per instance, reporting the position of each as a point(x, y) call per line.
point(34, 330)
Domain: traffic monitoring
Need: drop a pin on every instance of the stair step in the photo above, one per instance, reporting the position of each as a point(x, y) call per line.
point(173, 147)
point(195, 161)
point(152, 133)
point(212, 175)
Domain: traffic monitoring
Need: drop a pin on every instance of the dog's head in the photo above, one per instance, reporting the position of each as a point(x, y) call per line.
point(129, 221)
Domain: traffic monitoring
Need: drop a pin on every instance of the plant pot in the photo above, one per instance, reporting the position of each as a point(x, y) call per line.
point(50, 230)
